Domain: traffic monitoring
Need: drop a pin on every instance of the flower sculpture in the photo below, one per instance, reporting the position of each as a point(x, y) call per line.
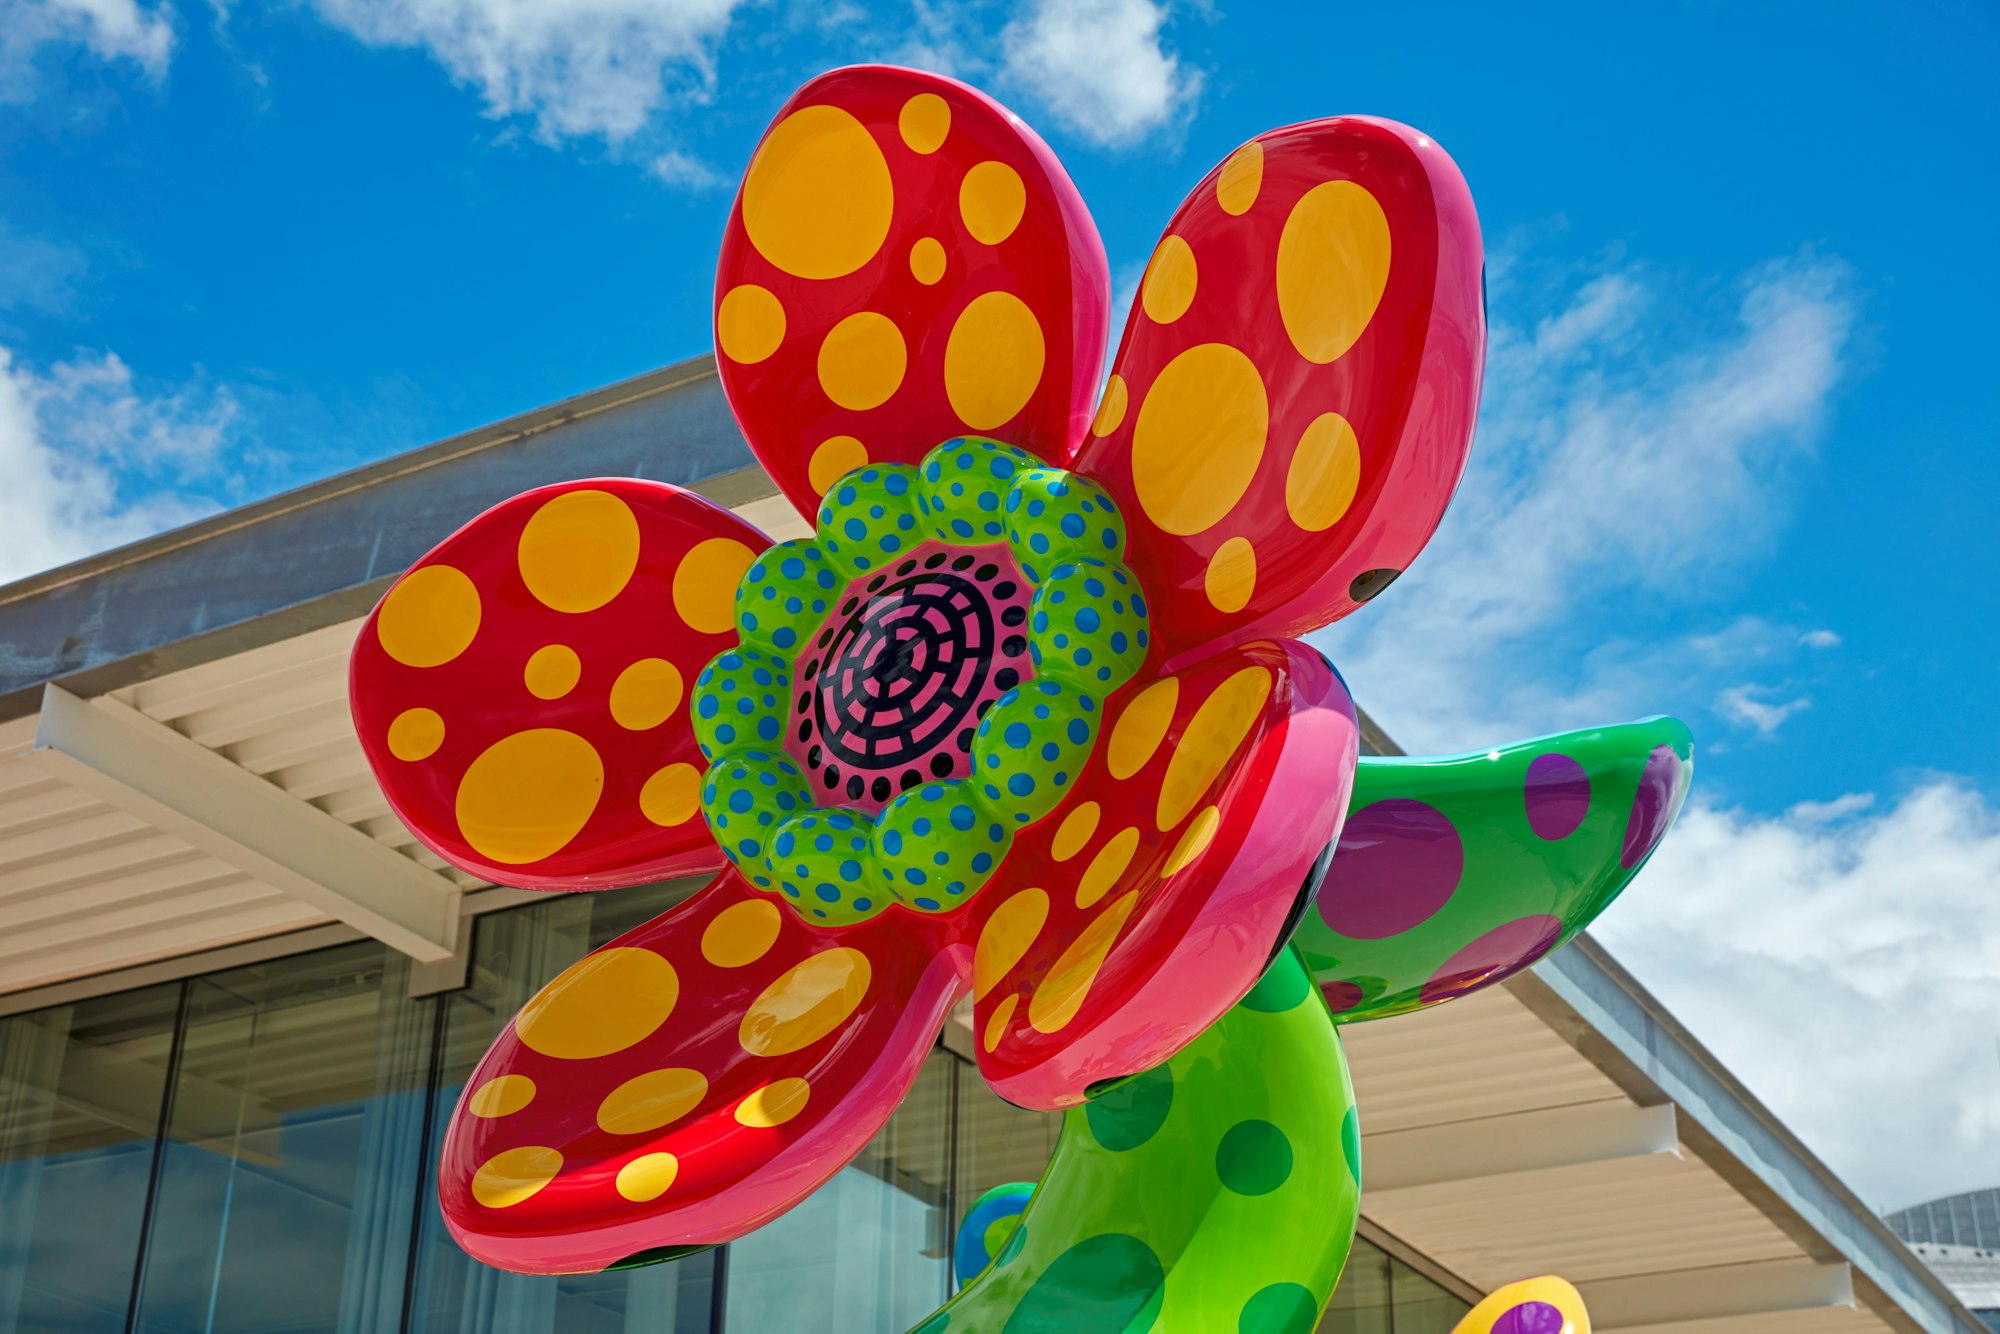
point(1025, 718)
point(1240, 1158)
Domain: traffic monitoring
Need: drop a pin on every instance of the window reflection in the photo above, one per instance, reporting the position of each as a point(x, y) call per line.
point(80, 1090)
point(514, 953)
point(295, 1124)
point(1421, 1306)
point(304, 1100)
point(1360, 1302)
point(870, 1250)
point(998, 1143)
point(1379, 1294)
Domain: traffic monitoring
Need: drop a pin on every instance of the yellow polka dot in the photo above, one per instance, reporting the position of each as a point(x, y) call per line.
point(927, 260)
point(529, 794)
point(1141, 727)
point(924, 121)
point(1199, 437)
point(552, 671)
point(1242, 175)
point(1062, 993)
point(834, 459)
point(993, 360)
point(416, 734)
point(991, 199)
point(645, 694)
point(774, 1104)
point(506, 1179)
point(818, 197)
point(749, 324)
point(1209, 740)
point(649, 1101)
point(1231, 575)
point(603, 1003)
point(647, 1177)
point(1194, 841)
point(996, 1023)
point(671, 796)
point(1077, 827)
point(1168, 287)
point(502, 1095)
point(806, 1003)
point(1325, 470)
point(429, 617)
point(740, 933)
point(1333, 262)
point(1007, 935)
point(579, 550)
point(862, 361)
point(1111, 411)
point(705, 584)
point(1101, 876)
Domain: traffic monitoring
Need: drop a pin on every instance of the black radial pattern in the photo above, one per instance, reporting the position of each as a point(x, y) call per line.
point(905, 672)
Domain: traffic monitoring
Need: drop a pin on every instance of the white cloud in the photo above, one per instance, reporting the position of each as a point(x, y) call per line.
point(684, 171)
point(1844, 968)
point(1622, 459)
point(1829, 812)
point(36, 274)
point(578, 67)
point(1099, 67)
point(944, 38)
point(1740, 704)
point(91, 460)
point(1820, 639)
point(111, 30)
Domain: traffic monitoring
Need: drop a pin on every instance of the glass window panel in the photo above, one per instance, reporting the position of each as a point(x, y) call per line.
point(1360, 1302)
point(514, 954)
point(295, 1127)
point(870, 1250)
point(1421, 1306)
point(998, 1143)
point(80, 1094)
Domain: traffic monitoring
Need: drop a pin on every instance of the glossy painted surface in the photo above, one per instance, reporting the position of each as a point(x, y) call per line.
point(689, 1082)
point(1216, 1192)
point(521, 693)
point(906, 262)
point(1136, 916)
point(1542, 1305)
point(987, 1227)
point(1457, 871)
point(609, 1121)
point(917, 682)
point(1095, 665)
point(1292, 404)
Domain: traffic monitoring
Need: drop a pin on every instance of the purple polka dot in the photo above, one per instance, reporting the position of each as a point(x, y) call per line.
point(1500, 953)
point(1530, 1318)
point(1558, 796)
point(1398, 863)
point(1342, 996)
point(1654, 806)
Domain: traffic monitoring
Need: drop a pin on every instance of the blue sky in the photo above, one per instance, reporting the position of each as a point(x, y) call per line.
point(1736, 458)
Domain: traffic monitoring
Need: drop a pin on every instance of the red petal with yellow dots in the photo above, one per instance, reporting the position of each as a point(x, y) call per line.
point(1294, 396)
point(690, 1081)
point(1132, 919)
point(906, 262)
point(521, 693)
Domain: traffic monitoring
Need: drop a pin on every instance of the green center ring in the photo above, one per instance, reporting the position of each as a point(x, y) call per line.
point(932, 664)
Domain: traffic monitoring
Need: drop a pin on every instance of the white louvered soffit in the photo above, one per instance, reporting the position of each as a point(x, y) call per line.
point(1494, 1148)
point(113, 864)
point(153, 773)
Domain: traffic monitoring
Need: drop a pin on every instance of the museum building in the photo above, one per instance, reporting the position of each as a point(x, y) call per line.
point(238, 1002)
